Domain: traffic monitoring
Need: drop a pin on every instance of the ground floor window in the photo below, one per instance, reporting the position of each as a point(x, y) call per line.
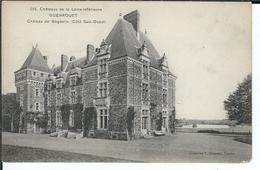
point(164, 122)
point(71, 118)
point(103, 117)
point(144, 122)
point(58, 118)
point(49, 118)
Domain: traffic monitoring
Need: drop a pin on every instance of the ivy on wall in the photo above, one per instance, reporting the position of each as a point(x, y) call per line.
point(172, 121)
point(130, 122)
point(89, 120)
point(65, 114)
point(65, 111)
point(16, 119)
point(36, 117)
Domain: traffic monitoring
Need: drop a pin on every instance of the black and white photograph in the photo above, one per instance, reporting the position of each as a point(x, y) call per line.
point(126, 82)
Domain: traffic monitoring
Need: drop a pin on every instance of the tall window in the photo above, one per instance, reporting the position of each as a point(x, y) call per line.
point(103, 65)
point(49, 117)
point(103, 118)
point(164, 122)
point(73, 97)
point(21, 100)
point(37, 92)
point(37, 106)
point(145, 70)
point(73, 81)
point(59, 99)
point(103, 89)
point(49, 85)
point(58, 118)
point(144, 122)
point(165, 79)
point(71, 118)
point(48, 100)
point(164, 97)
point(144, 119)
point(58, 84)
point(145, 91)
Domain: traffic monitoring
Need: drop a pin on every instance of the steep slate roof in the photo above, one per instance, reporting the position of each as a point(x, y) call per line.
point(125, 43)
point(72, 64)
point(152, 52)
point(36, 61)
point(123, 40)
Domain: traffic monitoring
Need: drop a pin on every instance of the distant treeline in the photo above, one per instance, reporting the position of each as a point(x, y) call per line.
point(211, 122)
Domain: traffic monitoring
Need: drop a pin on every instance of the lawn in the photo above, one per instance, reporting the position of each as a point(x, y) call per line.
point(244, 139)
point(28, 154)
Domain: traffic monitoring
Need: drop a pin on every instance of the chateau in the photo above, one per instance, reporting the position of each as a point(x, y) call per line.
point(95, 94)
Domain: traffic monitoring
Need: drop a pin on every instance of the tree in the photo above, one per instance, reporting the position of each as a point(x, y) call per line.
point(172, 121)
point(10, 112)
point(239, 104)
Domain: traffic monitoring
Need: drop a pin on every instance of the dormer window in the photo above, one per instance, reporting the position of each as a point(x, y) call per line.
point(73, 81)
point(59, 84)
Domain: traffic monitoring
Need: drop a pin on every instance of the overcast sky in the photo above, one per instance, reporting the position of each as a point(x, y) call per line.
point(208, 45)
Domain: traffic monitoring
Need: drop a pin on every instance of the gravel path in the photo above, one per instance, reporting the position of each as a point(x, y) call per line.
point(180, 147)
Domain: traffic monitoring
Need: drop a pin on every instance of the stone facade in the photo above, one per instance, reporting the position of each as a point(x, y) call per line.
point(125, 71)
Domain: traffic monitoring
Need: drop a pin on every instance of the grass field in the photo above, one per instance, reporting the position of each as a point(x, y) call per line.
point(29, 154)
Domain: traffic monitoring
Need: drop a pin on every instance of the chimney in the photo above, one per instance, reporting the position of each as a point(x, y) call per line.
point(45, 58)
point(64, 62)
point(90, 52)
point(134, 19)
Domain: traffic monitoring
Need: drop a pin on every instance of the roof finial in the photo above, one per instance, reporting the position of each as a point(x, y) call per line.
point(145, 31)
point(163, 55)
point(120, 14)
point(36, 45)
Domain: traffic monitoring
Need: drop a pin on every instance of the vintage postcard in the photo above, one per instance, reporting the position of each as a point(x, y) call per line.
point(126, 82)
